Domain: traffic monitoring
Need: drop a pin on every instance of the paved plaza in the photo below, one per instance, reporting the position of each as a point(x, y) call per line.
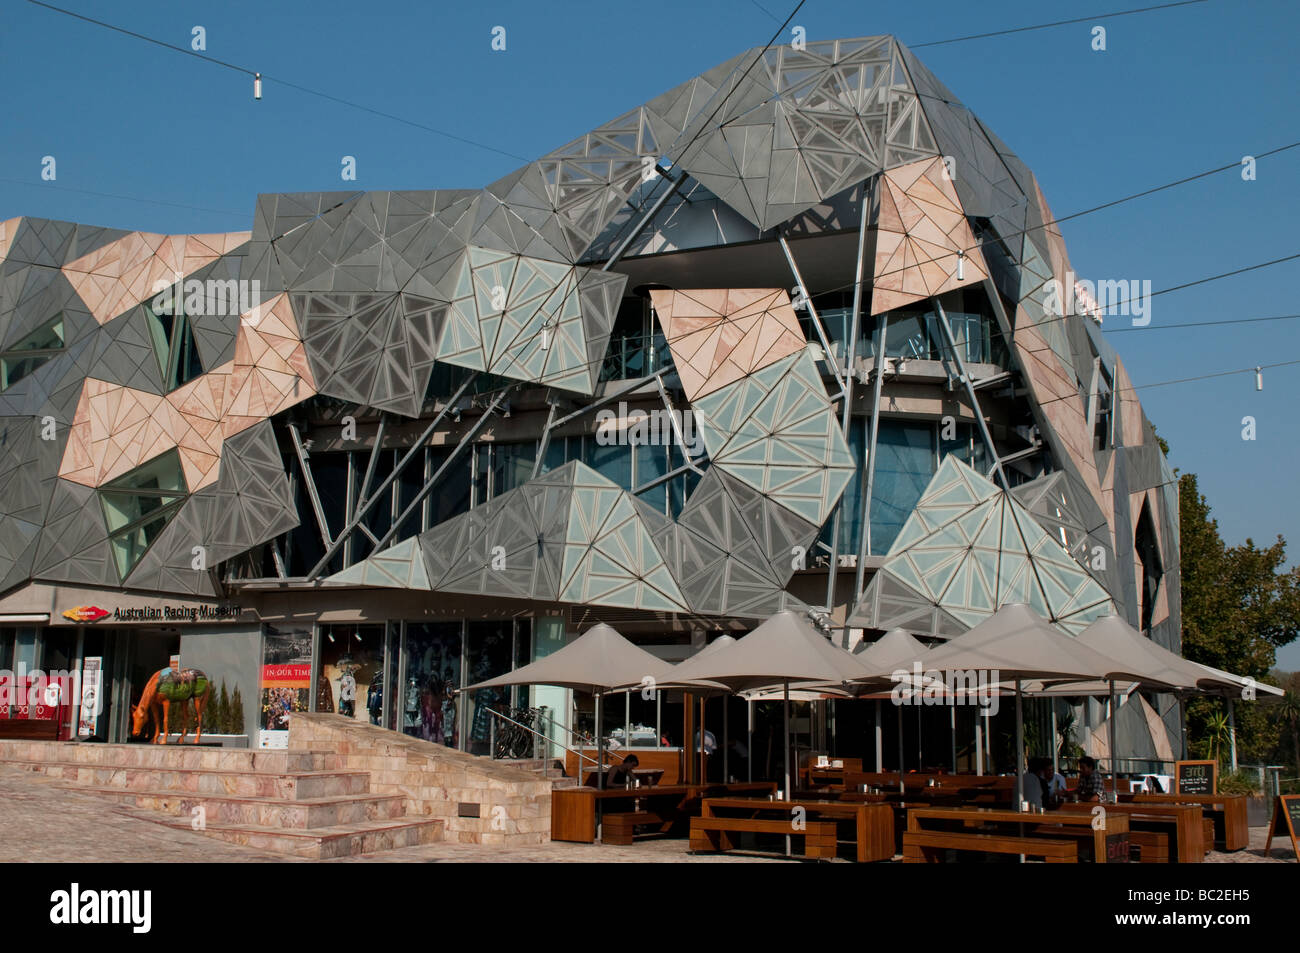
point(44, 821)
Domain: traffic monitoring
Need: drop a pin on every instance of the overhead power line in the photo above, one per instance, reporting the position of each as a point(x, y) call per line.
point(288, 84)
point(1046, 26)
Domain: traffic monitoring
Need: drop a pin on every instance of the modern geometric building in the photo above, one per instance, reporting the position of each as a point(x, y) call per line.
point(797, 333)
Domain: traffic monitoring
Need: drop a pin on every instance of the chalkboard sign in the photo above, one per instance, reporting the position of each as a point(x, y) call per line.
point(1286, 820)
point(1196, 777)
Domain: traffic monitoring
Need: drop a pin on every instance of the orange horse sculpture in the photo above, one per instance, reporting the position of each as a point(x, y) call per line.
point(164, 688)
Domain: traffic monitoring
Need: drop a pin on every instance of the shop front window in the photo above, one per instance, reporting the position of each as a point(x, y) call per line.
point(351, 663)
point(428, 699)
point(489, 652)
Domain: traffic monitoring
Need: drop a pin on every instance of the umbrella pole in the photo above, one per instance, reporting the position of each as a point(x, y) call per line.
point(1056, 748)
point(880, 740)
point(979, 740)
point(1020, 744)
point(726, 767)
point(785, 737)
point(749, 759)
point(952, 725)
point(901, 763)
point(1114, 762)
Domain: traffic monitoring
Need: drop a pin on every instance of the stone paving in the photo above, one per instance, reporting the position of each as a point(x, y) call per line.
point(42, 821)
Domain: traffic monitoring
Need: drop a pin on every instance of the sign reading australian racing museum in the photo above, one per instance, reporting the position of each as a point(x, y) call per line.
point(220, 612)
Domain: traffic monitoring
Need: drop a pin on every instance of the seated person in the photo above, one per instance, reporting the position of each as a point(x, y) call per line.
point(621, 775)
point(1035, 784)
point(1090, 787)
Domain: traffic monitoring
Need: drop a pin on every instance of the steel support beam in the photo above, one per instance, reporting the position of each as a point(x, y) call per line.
point(364, 507)
point(878, 371)
point(544, 443)
point(846, 387)
point(677, 425)
point(812, 312)
point(621, 250)
point(433, 480)
point(310, 483)
point(374, 457)
point(964, 378)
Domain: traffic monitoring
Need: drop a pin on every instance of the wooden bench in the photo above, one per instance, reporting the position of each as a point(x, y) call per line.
point(921, 847)
point(621, 828)
point(712, 834)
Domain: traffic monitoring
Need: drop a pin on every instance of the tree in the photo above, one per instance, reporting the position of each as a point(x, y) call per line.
point(236, 714)
point(223, 710)
point(1239, 603)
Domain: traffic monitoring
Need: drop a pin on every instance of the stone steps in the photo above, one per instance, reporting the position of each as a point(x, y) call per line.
point(326, 843)
point(548, 769)
point(290, 786)
point(301, 814)
point(303, 803)
point(281, 761)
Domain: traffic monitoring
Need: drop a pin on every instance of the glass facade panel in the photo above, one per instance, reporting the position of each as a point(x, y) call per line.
point(613, 462)
point(512, 465)
point(453, 493)
point(904, 466)
point(42, 345)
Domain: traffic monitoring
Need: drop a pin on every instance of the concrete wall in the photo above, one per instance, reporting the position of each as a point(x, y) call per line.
point(232, 653)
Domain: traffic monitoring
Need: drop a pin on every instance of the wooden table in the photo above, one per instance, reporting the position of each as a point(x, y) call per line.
point(873, 823)
point(1188, 832)
point(1110, 843)
point(1227, 811)
point(573, 810)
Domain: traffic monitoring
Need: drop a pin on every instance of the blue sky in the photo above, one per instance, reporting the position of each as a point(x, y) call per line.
point(1175, 93)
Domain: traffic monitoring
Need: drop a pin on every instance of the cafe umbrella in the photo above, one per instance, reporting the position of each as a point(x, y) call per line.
point(895, 651)
point(598, 661)
point(1018, 645)
point(784, 650)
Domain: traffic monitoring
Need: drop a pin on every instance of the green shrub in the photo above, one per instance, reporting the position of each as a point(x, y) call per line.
point(1240, 782)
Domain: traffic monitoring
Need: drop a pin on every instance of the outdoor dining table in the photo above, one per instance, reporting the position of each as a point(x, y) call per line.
point(1227, 811)
point(873, 823)
point(573, 810)
point(1189, 835)
point(1110, 840)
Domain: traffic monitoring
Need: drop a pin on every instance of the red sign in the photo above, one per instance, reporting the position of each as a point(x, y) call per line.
point(85, 614)
point(287, 675)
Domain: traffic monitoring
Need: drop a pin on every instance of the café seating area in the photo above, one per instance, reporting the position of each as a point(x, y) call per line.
point(841, 811)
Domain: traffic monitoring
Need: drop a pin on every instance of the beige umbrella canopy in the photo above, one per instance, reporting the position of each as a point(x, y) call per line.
point(783, 650)
point(1016, 643)
point(599, 660)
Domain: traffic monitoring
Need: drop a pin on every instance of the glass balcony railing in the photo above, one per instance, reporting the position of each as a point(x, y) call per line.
point(635, 356)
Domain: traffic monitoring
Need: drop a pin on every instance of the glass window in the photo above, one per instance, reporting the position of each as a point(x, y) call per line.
point(351, 663)
point(42, 345)
point(904, 466)
point(612, 461)
point(651, 461)
point(512, 465)
point(488, 654)
point(452, 495)
point(428, 699)
point(174, 347)
point(139, 505)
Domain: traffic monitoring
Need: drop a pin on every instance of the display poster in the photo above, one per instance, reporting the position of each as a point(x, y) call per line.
point(286, 683)
point(88, 718)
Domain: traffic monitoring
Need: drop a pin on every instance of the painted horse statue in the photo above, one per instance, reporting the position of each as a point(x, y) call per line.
point(166, 687)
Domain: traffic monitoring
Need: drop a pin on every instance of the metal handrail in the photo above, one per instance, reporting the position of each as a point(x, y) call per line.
point(537, 734)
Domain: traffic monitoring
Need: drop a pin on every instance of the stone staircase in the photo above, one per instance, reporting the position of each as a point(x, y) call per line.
point(300, 802)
